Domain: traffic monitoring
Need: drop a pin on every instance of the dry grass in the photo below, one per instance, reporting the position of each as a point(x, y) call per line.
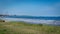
point(24, 28)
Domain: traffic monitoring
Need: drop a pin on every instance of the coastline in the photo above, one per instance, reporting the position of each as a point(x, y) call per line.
point(34, 21)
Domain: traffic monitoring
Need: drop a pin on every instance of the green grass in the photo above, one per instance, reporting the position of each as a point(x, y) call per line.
point(25, 28)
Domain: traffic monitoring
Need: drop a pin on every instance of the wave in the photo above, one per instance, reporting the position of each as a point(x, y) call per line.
point(36, 17)
point(35, 21)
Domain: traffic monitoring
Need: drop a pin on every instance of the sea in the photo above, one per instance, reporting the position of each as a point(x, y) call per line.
point(34, 19)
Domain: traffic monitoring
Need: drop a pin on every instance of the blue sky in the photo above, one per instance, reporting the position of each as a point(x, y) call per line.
point(30, 7)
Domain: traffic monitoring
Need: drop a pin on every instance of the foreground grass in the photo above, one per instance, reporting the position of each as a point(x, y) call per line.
point(24, 28)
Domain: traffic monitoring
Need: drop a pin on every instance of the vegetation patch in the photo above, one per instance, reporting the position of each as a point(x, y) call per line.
point(25, 28)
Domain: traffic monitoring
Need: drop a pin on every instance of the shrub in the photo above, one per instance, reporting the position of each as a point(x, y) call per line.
point(40, 24)
point(2, 20)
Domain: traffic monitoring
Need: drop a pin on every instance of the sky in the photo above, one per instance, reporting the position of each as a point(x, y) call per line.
point(30, 7)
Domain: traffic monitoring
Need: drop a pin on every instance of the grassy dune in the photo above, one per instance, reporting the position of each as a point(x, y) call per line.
point(24, 28)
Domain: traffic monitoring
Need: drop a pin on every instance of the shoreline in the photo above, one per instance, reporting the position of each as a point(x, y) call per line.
point(34, 21)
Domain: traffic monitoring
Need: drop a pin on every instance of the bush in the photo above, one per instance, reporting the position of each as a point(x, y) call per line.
point(2, 20)
point(40, 24)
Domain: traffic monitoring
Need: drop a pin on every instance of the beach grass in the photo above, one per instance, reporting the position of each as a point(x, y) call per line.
point(26, 28)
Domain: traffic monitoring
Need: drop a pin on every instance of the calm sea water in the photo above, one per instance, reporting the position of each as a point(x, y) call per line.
point(35, 17)
point(35, 20)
